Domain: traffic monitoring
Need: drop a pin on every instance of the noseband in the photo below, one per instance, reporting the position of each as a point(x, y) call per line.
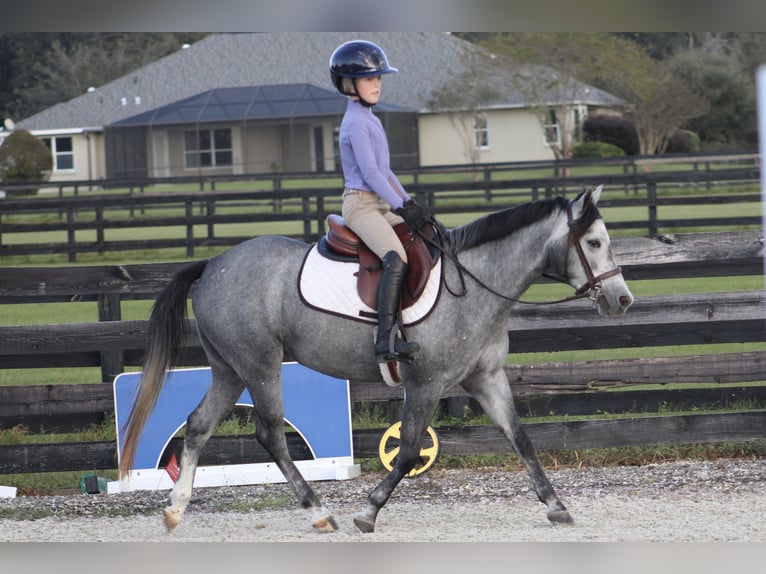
point(593, 287)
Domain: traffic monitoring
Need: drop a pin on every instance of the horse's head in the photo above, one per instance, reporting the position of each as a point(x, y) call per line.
point(590, 265)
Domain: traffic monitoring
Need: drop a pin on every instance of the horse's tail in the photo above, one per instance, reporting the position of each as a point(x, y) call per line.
point(167, 329)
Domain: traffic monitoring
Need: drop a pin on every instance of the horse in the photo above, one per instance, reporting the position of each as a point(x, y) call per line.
point(249, 317)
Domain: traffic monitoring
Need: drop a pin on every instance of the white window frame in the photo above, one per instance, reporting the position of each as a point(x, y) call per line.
point(213, 151)
point(52, 142)
point(552, 135)
point(552, 130)
point(481, 131)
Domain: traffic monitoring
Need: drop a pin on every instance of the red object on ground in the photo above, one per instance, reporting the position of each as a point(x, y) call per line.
point(172, 468)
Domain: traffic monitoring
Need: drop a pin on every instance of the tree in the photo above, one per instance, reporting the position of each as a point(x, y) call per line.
point(548, 69)
point(730, 122)
point(659, 101)
point(39, 70)
point(660, 45)
point(24, 158)
point(548, 66)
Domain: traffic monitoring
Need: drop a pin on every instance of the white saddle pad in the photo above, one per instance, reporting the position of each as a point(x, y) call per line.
point(328, 285)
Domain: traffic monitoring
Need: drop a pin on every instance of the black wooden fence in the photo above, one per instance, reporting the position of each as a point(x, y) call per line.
point(646, 417)
point(84, 223)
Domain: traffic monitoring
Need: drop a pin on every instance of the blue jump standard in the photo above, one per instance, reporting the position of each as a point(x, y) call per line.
point(318, 407)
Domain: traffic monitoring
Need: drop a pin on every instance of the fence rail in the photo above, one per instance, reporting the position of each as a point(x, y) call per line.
point(279, 180)
point(573, 388)
point(201, 216)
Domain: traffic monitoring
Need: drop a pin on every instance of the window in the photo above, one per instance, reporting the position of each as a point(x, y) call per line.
point(208, 148)
point(62, 150)
point(481, 131)
point(552, 131)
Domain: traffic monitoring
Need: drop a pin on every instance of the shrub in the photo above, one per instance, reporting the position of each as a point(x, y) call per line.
point(684, 141)
point(596, 149)
point(613, 129)
point(24, 158)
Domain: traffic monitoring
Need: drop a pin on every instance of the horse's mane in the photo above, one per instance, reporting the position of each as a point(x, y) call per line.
point(507, 221)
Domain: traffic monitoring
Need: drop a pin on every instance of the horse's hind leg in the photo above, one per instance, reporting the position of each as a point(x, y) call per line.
point(493, 392)
point(270, 432)
point(224, 391)
point(419, 406)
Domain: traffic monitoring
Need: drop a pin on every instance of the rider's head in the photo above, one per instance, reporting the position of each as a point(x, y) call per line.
point(357, 59)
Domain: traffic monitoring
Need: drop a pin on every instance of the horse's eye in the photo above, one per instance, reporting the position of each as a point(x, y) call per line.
point(594, 243)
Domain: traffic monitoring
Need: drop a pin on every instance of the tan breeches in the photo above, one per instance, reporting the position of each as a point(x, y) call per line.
point(372, 220)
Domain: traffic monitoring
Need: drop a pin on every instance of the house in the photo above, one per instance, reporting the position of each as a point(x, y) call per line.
point(253, 129)
point(260, 102)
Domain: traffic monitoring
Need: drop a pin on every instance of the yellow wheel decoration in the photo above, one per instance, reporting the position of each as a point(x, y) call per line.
point(388, 449)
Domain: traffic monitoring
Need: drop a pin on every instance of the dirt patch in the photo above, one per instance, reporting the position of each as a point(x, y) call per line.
point(681, 501)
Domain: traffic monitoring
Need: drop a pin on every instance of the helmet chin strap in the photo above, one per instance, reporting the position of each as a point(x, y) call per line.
point(362, 101)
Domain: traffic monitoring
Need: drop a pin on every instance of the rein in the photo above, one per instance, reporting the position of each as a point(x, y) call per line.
point(591, 289)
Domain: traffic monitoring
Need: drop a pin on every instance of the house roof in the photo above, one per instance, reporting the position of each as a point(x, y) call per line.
point(248, 103)
point(427, 61)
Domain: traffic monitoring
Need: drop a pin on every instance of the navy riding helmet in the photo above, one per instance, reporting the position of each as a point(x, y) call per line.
point(357, 59)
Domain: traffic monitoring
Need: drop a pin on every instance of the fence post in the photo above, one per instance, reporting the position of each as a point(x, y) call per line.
point(651, 201)
point(100, 228)
point(487, 190)
point(306, 205)
point(112, 362)
point(210, 213)
point(70, 236)
point(320, 216)
point(189, 228)
point(625, 171)
point(277, 205)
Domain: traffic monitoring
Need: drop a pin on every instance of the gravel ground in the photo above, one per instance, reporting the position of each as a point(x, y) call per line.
point(680, 501)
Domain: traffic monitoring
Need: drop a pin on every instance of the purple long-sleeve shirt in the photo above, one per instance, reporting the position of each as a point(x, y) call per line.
point(365, 157)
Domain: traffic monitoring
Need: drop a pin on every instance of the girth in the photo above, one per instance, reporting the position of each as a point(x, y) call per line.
point(341, 242)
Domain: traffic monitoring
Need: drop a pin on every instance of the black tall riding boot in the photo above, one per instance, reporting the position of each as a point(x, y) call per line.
point(389, 346)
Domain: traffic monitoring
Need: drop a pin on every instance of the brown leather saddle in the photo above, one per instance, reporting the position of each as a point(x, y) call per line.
point(341, 243)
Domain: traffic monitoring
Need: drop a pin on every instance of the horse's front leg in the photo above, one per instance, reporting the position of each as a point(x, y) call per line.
point(493, 392)
point(419, 407)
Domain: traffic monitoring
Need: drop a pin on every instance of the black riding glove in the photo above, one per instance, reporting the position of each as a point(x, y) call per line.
point(415, 216)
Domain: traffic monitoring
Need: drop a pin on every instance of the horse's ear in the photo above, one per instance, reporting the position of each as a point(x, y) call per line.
point(595, 194)
point(589, 196)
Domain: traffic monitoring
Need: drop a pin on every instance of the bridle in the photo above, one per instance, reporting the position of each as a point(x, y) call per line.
point(591, 289)
point(593, 286)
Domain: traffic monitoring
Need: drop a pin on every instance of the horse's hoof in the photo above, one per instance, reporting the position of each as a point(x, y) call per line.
point(560, 517)
point(172, 518)
point(364, 524)
point(325, 524)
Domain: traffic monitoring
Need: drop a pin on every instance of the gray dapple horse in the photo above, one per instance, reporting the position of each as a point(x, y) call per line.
point(249, 317)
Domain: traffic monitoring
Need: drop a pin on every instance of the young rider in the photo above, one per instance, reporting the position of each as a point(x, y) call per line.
point(374, 200)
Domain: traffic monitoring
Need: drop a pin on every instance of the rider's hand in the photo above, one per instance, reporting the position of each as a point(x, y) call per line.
point(415, 216)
